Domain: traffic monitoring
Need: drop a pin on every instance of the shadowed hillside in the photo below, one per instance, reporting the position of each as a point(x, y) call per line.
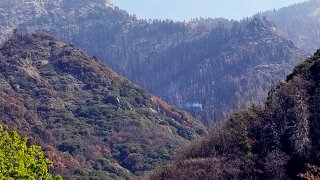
point(299, 23)
point(209, 67)
point(280, 141)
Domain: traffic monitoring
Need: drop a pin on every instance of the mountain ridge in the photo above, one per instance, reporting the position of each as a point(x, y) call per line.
point(225, 57)
point(139, 49)
point(299, 23)
point(90, 121)
point(277, 141)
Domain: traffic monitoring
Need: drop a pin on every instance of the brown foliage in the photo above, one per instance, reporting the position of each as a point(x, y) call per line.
point(274, 142)
point(311, 173)
point(94, 122)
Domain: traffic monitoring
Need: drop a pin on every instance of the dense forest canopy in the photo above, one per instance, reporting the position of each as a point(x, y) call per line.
point(209, 67)
point(95, 124)
point(299, 23)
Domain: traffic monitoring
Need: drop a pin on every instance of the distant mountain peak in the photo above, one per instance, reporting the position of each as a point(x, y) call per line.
point(261, 24)
point(299, 23)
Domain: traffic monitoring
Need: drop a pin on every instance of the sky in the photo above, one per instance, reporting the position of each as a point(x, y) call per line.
point(186, 9)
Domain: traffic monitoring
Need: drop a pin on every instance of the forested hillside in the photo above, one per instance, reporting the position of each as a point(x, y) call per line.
point(230, 68)
point(299, 23)
point(206, 66)
point(279, 141)
point(90, 121)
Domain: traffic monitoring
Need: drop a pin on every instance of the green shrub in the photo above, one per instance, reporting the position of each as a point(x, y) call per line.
point(18, 161)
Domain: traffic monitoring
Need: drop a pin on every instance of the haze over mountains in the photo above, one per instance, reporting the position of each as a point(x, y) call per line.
point(183, 63)
point(94, 123)
point(280, 141)
point(299, 23)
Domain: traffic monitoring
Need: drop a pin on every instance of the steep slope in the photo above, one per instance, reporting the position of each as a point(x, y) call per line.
point(299, 23)
point(207, 66)
point(105, 31)
point(91, 122)
point(280, 141)
point(230, 68)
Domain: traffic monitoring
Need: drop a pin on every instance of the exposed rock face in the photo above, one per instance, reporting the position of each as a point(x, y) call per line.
point(92, 122)
point(209, 67)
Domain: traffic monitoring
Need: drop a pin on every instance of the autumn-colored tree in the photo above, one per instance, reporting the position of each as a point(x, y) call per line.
point(18, 161)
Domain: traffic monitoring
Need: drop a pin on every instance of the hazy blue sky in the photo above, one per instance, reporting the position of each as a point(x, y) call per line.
point(187, 9)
